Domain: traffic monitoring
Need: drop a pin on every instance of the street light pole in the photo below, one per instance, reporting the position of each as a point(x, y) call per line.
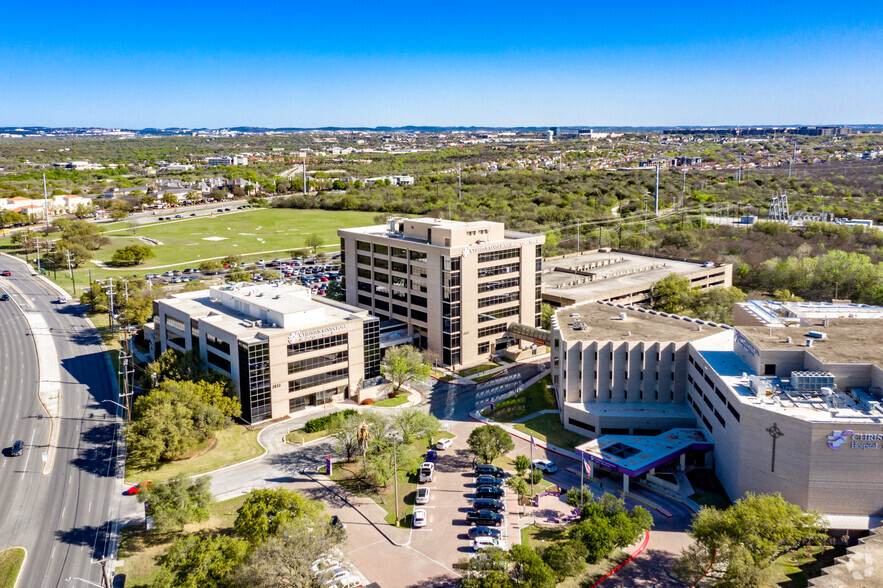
point(395, 475)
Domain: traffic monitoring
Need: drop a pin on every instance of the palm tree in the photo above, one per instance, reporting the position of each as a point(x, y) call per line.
point(364, 435)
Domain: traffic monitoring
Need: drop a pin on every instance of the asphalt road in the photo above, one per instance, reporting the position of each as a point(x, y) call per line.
point(63, 518)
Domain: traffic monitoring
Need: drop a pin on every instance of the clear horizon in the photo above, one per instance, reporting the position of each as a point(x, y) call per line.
point(493, 64)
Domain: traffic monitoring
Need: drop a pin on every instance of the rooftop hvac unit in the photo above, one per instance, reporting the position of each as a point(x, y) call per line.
point(622, 316)
point(787, 339)
point(809, 342)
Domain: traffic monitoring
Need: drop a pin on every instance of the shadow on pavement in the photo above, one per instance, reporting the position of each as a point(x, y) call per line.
point(96, 451)
point(94, 538)
point(651, 568)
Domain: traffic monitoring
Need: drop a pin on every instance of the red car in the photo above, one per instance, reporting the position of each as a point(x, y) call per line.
point(5, 273)
point(138, 488)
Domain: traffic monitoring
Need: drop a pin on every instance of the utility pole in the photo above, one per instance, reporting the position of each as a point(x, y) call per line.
point(70, 269)
point(45, 203)
point(656, 203)
point(459, 184)
point(110, 307)
point(38, 254)
point(791, 161)
point(126, 371)
point(395, 475)
point(739, 176)
point(684, 186)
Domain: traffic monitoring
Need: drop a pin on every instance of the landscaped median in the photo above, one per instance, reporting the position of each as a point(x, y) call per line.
point(232, 445)
point(11, 561)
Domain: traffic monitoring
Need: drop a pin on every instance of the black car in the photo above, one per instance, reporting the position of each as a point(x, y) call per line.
point(484, 517)
point(488, 481)
point(484, 532)
point(4, 297)
point(17, 448)
point(488, 504)
point(489, 492)
point(489, 470)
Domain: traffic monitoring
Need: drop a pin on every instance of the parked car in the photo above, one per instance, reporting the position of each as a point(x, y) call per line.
point(17, 448)
point(489, 504)
point(489, 492)
point(489, 470)
point(61, 300)
point(430, 456)
point(139, 487)
point(334, 574)
point(422, 495)
point(444, 444)
point(480, 543)
point(488, 481)
point(484, 532)
point(485, 518)
point(323, 564)
point(6, 273)
point(419, 518)
point(4, 297)
point(545, 465)
point(426, 471)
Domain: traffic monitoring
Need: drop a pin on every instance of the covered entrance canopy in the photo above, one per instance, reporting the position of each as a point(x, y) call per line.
point(634, 455)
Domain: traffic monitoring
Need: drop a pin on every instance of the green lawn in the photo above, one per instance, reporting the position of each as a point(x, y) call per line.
point(539, 396)
point(399, 400)
point(185, 244)
point(139, 549)
point(478, 369)
point(547, 427)
point(794, 568)
point(10, 564)
point(235, 444)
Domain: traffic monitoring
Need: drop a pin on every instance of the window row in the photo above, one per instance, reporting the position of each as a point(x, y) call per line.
point(502, 254)
point(498, 285)
point(315, 362)
point(496, 270)
point(497, 314)
point(492, 330)
point(323, 343)
point(498, 299)
point(317, 380)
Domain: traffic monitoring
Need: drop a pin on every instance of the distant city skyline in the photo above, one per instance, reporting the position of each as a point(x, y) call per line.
point(483, 64)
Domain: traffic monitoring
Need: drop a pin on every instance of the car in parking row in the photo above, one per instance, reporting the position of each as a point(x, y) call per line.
point(485, 518)
point(489, 504)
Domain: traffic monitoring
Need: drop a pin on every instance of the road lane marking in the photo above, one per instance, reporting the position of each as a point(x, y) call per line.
point(28, 458)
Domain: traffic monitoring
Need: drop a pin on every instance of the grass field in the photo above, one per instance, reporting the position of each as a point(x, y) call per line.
point(547, 427)
point(254, 234)
point(10, 563)
point(139, 549)
point(300, 436)
point(235, 444)
point(399, 400)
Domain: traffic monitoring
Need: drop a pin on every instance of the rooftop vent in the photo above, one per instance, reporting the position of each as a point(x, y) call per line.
point(787, 339)
point(622, 316)
point(809, 342)
point(574, 315)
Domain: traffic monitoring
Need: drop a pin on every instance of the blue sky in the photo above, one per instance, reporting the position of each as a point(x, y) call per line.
point(306, 64)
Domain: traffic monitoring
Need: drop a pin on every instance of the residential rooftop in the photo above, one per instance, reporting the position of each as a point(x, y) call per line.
point(602, 321)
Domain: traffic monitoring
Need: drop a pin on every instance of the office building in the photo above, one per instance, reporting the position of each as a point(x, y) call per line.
point(619, 276)
point(456, 285)
point(283, 349)
point(788, 400)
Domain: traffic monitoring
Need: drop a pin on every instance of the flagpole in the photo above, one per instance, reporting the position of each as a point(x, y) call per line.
point(581, 472)
point(531, 465)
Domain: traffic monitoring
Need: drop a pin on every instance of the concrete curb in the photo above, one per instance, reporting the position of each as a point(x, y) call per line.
point(23, 562)
point(634, 554)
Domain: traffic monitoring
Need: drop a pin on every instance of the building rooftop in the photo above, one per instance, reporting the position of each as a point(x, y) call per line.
point(783, 313)
point(634, 454)
point(847, 340)
point(246, 309)
point(600, 274)
point(601, 321)
point(856, 406)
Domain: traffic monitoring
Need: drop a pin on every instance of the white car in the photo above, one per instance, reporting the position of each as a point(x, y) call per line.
point(426, 471)
point(444, 443)
point(422, 495)
point(351, 581)
point(545, 465)
point(419, 518)
point(480, 543)
point(62, 300)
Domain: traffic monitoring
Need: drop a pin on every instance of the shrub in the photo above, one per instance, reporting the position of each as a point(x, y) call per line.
point(368, 401)
point(322, 423)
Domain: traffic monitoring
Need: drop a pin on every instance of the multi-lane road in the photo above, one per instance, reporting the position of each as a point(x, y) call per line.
point(63, 518)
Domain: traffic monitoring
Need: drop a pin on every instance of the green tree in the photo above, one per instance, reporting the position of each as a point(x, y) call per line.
point(137, 309)
point(313, 242)
point(266, 511)
point(404, 364)
point(209, 266)
point(671, 294)
point(566, 558)
point(748, 535)
point(530, 569)
point(170, 199)
point(489, 442)
point(201, 561)
point(285, 558)
point(413, 422)
point(178, 501)
point(131, 255)
point(546, 317)
point(387, 458)
point(65, 250)
point(518, 485)
point(345, 431)
point(335, 291)
point(522, 464)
